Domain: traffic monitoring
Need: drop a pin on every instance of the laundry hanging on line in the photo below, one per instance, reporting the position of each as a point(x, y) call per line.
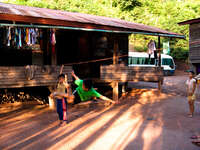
point(20, 37)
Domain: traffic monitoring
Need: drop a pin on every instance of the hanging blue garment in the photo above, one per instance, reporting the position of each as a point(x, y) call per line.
point(20, 37)
point(17, 37)
point(24, 36)
point(8, 36)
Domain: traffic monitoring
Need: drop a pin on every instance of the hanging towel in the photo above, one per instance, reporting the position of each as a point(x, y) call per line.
point(33, 36)
point(28, 36)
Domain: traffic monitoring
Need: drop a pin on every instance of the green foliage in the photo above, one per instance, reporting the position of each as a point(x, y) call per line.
point(140, 49)
point(164, 14)
point(126, 5)
point(180, 53)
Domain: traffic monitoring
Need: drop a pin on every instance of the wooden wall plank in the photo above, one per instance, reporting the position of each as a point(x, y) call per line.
point(15, 77)
point(126, 73)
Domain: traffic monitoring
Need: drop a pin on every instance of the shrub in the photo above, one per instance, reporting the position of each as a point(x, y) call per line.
point(180, 53)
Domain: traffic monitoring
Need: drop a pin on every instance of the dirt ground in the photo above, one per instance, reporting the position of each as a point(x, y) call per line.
point(144, 120)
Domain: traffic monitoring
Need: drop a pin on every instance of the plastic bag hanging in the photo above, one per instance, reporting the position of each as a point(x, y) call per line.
point(53, 40)
point(53, 37)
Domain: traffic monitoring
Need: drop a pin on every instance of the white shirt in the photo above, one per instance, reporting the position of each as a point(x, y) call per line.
point(190, 84)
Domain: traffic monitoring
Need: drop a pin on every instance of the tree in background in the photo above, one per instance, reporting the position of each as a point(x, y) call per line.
point(126, 5)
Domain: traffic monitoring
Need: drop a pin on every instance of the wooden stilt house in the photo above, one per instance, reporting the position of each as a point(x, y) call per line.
point(194, 43)
point(91, 45)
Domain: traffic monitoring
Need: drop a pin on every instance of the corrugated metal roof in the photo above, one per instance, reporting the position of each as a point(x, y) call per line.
point(191, 21)
point(86, 19)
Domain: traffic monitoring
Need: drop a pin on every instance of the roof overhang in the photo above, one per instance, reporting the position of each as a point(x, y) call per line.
point(47, 18)
point(91, 29)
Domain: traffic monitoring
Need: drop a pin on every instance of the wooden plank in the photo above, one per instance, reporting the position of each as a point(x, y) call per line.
point(131, 74)
point(126, 73)
point(11, 77)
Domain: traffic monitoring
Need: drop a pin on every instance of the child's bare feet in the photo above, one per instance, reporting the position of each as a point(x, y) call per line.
point(60, 123)
point(190, 115)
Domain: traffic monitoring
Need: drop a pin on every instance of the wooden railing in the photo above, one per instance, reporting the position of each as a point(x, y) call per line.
point(123, 73)
point(29, 76)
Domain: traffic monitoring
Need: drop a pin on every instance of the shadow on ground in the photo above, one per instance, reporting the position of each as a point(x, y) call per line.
point(144, 120)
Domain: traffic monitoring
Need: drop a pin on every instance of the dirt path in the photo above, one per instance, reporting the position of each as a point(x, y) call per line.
point(172, 84)
point(143, 121)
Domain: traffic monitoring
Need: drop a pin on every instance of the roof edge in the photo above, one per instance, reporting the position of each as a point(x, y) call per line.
point(191, 21)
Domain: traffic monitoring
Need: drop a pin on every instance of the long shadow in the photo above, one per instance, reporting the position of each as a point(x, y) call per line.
point(84, 144)
point(80, 127)
point(38, 134)
point(19, 111)
point(138, 142)
point(33, 139)
point(7, 120)
point(19, 131)
point(168, 124)
point(79, 114)
point(42, 133)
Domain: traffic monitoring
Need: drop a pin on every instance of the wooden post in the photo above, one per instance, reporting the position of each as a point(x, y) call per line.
point(115, 52)
point(159, 64)
point(159, 52)
point(115, 85)
point(159, 85)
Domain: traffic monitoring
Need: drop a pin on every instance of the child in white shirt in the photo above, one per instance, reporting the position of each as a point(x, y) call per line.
point(191, 87)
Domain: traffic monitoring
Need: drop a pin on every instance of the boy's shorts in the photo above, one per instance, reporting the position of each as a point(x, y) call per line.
point(191, 98)
point(77, 98)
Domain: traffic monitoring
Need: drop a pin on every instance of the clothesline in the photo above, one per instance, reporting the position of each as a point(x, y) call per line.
point(93, 61)
point(86, 29)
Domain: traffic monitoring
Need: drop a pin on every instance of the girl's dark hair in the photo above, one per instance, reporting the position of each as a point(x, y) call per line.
point(192, 72)
point(88, 83)
point(61, 76)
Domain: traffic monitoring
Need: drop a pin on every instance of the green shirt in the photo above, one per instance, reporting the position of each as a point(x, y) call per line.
point(85, 95)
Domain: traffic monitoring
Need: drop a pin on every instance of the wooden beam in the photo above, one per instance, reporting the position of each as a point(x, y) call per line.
point(115, 52)
point(159, 52)
point(115, 61)
point(159, 64)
